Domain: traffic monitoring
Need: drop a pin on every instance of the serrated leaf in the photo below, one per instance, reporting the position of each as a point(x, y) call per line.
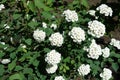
point(28, 41)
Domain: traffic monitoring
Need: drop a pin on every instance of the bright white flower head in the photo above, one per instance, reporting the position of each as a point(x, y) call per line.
point(53, 57)
point(56, 39)
point(39, 35)
point(106, 74)
point(115, 43)
point(92, 12)
point(70, 16)
point(5, 61)
point(96, 28)
point(77, 34)
point(104, 9)
point(44, 25)
point(106, 52)
point(6, 26)
point(51, 68)
point(59, 78)
point(84, 69)
point(94, 50)
point(2, 7)
point(54, 26)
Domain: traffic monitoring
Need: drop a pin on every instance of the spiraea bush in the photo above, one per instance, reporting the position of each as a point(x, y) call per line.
point(56, 40)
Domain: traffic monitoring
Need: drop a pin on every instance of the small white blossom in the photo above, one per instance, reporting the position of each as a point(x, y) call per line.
point(3, 43)
point(77, 34)
point(106, 74)
point(6, 26)
point(44, 25)
point(51, 68)
point(104, 9)
point(115, 43)
point(53, 57)
point(23, 46)
point(70, 16)
point(59, 78)
point(56, 39)
point(54, 26)
point(39, 35)
point(96, 28)
point(92, 12)
point(2, 6)
point(94, 50)
point(106, 52)
point(5, 61)
point(84, 69)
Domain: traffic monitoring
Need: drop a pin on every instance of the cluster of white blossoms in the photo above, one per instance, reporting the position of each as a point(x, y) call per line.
point(84, 69)
point(54, 26)
point(77, 34)
point(2, 6)
point(53, 57)
point(70, 16)
point(104, 9)
point(51, 68)
point(96, 28)
point(56, 39)
point(39, 35)
point(59, 78)
point(44, 25)
point(106, 52)
point(5, 61)
point(94, 50)
point(115, 43)
point(106, 74)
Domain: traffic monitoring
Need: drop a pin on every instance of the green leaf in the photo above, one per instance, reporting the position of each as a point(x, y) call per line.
point(85, 3)
point(28, 71)
point(16, 76)
point(33, 24)
point(48, 31)
point(115, 66)
point(16, 16)
point(28, 41)
point(2, 70)
point(17, 68)
point(39, 4)
point(12, 65)
point(31, 6)
point(46, 15)
point(46, 50)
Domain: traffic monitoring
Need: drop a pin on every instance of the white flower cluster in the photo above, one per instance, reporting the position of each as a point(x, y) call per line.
point(84, 69)
point(104, 9)
point(51, 68)
point(5, 61)
point(1, 7)
point(53, 57)
point(70, 16)
point(77, 34)
point(115, 43)
point(44, 25)
point(39, 35)
point(106, 74)
point(106, 52)
point(96, 28)
point(92, 12)
point(59, 78)
point(94, 50)
point(54, 26)
point(56, 39)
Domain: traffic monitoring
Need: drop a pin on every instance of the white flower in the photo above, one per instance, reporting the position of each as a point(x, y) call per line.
point(54, 26)
point(96, 28)
point(23, 46)
point(3, 43)
point(106, 52)
point(53, 57)
point(70, 16)
point(5, 61)
point(51, 68)
point(56, 39)
point(84, 69)
point(92, 12)
point(6, 26)
point(39, 35)
point(77, 34)
point(2, 6)
point(104, 9)
point(94, 50)
point(106, 74)
point(59, 78)
point(44, 25)
point(115, 43)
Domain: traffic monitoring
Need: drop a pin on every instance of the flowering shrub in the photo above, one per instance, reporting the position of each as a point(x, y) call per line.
point(57, 40)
